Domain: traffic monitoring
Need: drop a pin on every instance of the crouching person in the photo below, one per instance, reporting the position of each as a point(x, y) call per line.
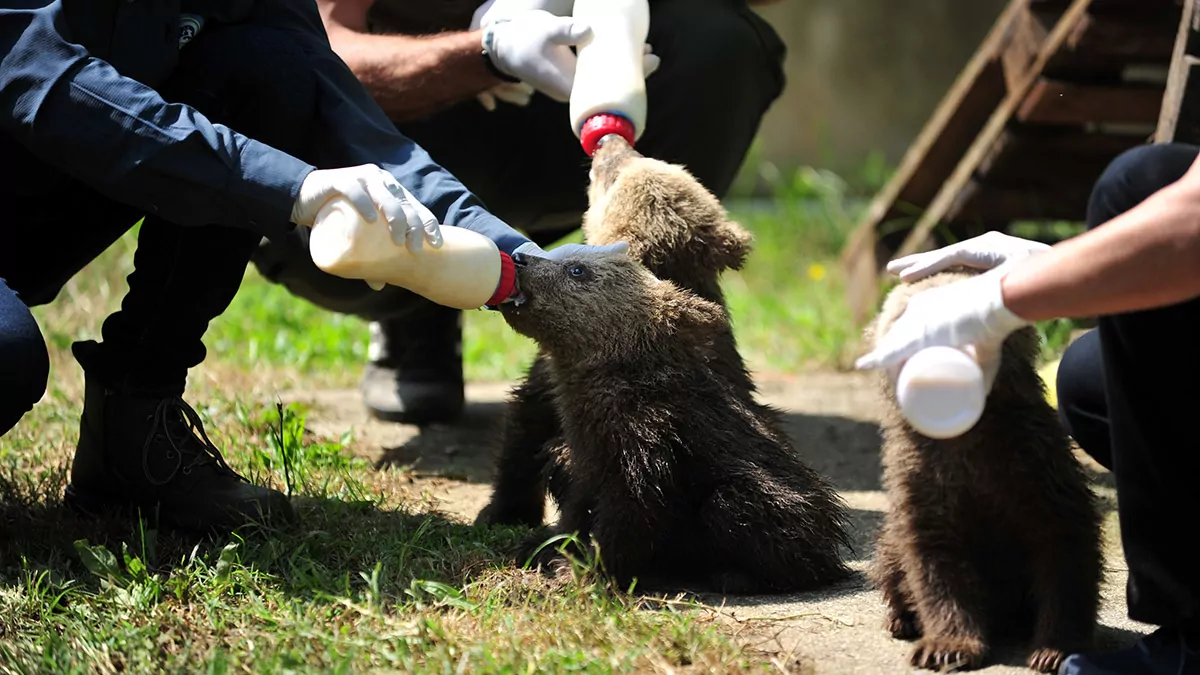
point(216, 121)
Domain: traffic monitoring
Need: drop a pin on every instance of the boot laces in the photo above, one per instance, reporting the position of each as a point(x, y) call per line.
point(183, 430)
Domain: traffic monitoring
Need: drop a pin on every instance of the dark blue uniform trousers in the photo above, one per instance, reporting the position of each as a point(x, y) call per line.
point(242, 75)
point(1117, 400)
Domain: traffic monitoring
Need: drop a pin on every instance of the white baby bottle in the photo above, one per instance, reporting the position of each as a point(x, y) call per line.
point(609, 94)
point(467, 271)
point(941, 391)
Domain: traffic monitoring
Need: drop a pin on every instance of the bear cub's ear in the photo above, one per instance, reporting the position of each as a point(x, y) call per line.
point(729, 248)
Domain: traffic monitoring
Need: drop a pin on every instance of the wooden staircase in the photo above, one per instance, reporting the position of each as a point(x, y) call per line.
point(1057, 89)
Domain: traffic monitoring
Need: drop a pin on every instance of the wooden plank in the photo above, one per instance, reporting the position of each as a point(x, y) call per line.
point(1178, 77)
point(1042, 155)
point(997, 206)
point(1028, 33)
point(1187, 127)
point(992, 131)
point(1057, 102)
point(959, 116)
point(1107, 5)
point(1110, 41)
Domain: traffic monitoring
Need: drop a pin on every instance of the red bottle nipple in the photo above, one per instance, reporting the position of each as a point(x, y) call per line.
point(598, 126)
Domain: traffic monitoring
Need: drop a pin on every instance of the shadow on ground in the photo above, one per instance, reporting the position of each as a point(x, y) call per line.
point(319, 556)
point(844, 450)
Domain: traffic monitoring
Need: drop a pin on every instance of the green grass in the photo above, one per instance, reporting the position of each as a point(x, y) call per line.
point(374, 579)
point(371, 580)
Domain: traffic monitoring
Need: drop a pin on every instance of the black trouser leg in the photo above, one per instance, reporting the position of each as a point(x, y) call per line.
point(721, 70)
point(1082, 406)
point(1152, 451)
point(24, 363)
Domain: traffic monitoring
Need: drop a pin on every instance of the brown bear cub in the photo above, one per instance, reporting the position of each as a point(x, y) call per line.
point(993, 534)
point(678, 475)
point(680, 232)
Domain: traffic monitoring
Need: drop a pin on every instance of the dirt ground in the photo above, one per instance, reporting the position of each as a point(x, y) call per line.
point(832, 417)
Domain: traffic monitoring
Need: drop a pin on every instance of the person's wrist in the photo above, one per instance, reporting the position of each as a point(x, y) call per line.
point(487, 46)
point(1004, 319)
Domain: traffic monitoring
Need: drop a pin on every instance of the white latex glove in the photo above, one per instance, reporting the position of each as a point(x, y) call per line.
point(535, 47)
point(516, 93)
point(967, 314)
point(520, 94)
point(493, 10)
point(984, 252)
point(372, 191)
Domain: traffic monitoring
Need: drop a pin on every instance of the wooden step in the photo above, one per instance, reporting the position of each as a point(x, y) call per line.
point(1056, 102)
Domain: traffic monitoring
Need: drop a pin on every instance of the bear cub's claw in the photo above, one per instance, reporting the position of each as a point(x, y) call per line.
point(1046, 659)
point(948, 653)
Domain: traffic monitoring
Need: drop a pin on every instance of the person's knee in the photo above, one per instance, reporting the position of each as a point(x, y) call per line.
point(1133, 176)
point(1080, 390)
point(720, 47)
point(253, 78)
point(24, 362)
point(1080, 374)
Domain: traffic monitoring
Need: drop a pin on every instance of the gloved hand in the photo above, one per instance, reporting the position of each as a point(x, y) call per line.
point(983, 252)
point(964, 314)
point(516, 93)
point(372, 191)
point(535, 47)
point(494, 10)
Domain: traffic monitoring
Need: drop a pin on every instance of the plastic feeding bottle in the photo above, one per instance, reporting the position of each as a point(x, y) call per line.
point(941, 392)
point(467, 271)
point(609, 94)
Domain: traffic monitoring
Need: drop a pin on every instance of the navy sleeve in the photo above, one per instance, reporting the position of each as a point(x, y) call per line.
point(77, 113)
point(357, 131)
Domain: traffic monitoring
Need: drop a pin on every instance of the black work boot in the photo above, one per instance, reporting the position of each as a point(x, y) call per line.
point(415, 373)
point(146, 451)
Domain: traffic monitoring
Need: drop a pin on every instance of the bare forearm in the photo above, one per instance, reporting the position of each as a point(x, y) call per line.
point(413, 76)
point(1145, 258)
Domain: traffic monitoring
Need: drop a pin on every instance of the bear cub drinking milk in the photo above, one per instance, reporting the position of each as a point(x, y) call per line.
point(669, 464)
point(681, 233)
point(993, 533)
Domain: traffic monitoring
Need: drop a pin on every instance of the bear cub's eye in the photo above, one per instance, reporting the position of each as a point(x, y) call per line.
point(579, 272)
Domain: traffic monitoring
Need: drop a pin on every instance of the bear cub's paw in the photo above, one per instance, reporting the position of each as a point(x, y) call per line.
point(1046, 659)
point(948, 653)
point(903, 626)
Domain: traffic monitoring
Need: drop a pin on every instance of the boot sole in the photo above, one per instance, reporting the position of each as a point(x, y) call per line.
point(90, 506)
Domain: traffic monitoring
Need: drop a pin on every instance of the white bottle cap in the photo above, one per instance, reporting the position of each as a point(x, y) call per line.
point(941, 392)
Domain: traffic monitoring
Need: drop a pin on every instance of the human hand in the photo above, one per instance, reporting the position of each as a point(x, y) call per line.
point(494, 10)
point(965, 314)
point(516, 93)
point(535, 47)
point(371, 191)
point(984, 252)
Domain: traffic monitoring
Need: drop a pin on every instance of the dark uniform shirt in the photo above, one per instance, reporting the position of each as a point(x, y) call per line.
point(77, 82)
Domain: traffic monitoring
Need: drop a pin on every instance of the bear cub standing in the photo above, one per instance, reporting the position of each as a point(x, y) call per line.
point(682, 478)
point(680, 232)
point(992, 533)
